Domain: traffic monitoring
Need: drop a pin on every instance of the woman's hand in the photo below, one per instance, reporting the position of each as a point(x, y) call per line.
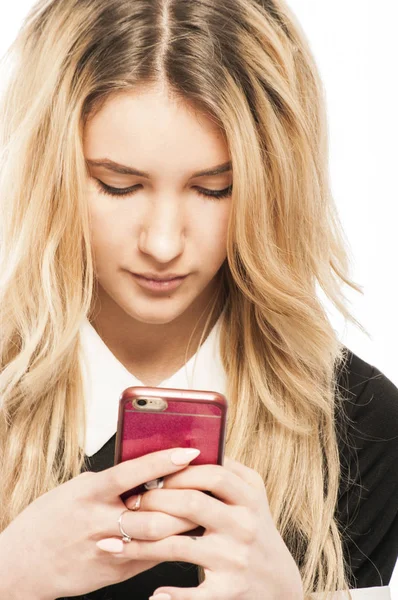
point(243, 555)
point(49, 550)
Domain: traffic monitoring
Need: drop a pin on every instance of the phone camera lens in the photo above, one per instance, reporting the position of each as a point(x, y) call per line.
point(141, 402)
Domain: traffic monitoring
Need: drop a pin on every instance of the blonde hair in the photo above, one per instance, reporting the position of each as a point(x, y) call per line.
point(248, 66)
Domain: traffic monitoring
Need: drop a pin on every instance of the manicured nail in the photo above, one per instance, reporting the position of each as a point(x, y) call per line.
point(111, 545)
point(160, 596)
point(183, 456)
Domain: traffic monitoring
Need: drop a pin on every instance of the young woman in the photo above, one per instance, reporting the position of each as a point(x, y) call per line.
point(124, 126)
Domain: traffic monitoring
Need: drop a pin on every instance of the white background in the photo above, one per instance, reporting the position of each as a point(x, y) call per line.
point(356, 48)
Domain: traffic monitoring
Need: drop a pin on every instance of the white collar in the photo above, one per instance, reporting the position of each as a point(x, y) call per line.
point(105, 378)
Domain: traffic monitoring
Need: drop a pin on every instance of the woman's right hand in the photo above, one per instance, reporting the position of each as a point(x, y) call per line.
point(50, 548)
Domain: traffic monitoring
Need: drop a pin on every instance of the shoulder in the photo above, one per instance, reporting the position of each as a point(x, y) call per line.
point(367, 510)
point(370, 401)
point(367, 421)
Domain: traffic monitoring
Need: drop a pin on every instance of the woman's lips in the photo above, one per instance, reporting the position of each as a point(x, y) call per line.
point(158, 286)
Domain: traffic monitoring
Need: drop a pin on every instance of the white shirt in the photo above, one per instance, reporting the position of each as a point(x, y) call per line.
point(105, 378)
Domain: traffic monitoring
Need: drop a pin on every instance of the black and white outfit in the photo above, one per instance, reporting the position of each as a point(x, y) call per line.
point(367, 507)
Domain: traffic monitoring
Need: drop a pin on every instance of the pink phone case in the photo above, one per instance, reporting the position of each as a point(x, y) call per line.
point(187, 419)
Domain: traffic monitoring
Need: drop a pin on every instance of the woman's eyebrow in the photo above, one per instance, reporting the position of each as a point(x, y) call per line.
point(106, 163)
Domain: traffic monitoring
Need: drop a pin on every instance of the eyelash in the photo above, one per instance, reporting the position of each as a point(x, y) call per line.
point(111, 191)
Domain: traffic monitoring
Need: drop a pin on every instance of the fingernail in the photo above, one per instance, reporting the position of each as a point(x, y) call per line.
point(111, 545)
point(160, 596)
point(183, 456)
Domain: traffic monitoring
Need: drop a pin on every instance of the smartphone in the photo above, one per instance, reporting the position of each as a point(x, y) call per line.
point(156, 418)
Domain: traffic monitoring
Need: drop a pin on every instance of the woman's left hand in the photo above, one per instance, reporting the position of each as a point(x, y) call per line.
point(241, 551)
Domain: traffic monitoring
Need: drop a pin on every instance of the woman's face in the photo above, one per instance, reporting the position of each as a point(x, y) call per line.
point(164, 225)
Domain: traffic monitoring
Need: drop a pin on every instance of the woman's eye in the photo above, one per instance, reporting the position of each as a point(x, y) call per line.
point(112, 191)
point(215, 194)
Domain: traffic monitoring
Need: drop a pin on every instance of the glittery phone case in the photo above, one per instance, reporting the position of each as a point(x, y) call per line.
point(171, 418)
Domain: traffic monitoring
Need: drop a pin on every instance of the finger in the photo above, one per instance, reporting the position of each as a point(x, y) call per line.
point(222, 483)
point(200, 509)
point(141, 525)
point(200, 551)
point(134, 502)
point(131, 473)
point(249, 475)
point(200, 592)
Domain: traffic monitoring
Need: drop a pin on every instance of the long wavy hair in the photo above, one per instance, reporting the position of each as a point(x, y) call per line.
point(248, 66)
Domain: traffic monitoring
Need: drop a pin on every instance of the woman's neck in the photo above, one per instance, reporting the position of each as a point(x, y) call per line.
point(152, 353)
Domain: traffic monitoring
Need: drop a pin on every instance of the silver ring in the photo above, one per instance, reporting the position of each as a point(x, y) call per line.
point(154, 484)
point(125, 536)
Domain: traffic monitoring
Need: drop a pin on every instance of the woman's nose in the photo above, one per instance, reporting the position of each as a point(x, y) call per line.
point(163, 234)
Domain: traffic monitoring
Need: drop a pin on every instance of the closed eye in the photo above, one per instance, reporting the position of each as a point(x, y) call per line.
point(112, 191)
